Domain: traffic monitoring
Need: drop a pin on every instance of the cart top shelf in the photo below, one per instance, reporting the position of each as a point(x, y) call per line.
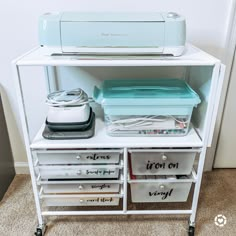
point(102, 140)
point(42, 57)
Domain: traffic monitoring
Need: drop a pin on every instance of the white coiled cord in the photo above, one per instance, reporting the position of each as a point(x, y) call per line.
point(129, 123)
point(75, 97)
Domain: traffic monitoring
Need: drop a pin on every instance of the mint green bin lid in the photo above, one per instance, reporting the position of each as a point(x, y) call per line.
point(168, 92)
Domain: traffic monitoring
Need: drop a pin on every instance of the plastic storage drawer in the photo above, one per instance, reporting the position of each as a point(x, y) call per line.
point(78, 172)
point(95, 187)
point(160, 192)
point(82, 201)
point(164, 162)
point(78, 157)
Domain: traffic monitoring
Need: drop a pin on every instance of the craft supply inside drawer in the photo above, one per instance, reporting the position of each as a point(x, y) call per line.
point(96, 156)
point(82, 187)
point(164, 162)
point(160, 190)
point(78, 172)
point(82, 201)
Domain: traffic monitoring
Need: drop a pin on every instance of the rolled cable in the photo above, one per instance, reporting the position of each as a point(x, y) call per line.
point(56, 98)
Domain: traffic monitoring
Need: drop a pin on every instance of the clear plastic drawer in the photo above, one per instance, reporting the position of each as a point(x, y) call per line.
point(82, 187)
point(160, 190)
point(78, 172)
point(82, 201)
point(161, 162)
point(96, 156)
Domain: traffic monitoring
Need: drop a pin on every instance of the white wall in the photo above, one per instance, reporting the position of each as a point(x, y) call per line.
point(225, 156)
point(207, 23)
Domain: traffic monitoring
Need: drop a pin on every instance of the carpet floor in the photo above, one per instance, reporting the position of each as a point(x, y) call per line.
point(218, 196)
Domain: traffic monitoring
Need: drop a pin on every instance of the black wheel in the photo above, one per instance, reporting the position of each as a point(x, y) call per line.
point(191, 231)
point(38, 232)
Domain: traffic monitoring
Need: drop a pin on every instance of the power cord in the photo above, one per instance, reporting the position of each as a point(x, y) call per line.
point(75, 97)
point(145, 121)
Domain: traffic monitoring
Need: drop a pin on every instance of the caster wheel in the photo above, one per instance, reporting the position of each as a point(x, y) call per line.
point(38, 232)
point(191, 231)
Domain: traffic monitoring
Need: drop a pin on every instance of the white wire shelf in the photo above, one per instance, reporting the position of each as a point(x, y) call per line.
point(102, 140)
point(42, 57)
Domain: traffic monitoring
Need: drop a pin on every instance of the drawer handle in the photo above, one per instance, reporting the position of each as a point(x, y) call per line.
point(81, 200)
point(81, 187)
point(164, 157)
point(78, 157)
point(79, 172)
point(162, 187)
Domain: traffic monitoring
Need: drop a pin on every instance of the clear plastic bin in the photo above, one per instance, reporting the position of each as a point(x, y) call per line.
point(147, 125)
point(157, 107)
point(160, 192)
point(160, 188)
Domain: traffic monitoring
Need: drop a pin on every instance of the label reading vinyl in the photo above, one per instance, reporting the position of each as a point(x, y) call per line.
point(164, 194)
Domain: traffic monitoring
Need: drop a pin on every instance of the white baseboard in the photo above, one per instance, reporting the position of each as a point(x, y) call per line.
point(22, 168)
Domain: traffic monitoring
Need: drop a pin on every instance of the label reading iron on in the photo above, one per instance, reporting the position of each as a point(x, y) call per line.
point(158, 165)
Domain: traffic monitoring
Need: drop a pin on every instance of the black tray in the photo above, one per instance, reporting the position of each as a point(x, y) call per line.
point(60, 135)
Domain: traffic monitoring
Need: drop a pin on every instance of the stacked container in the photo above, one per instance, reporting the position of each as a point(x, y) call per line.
point(160, 175)
point(89, 177)
point(157, 107)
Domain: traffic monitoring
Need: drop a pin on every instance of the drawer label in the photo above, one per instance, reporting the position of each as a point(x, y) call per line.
point(110, 199)
point(164, 194)
point(100, 186)
point(100, 172)
point(157, 165)
point(95, 157)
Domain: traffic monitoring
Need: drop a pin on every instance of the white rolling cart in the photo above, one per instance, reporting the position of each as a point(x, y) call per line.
point(53, 160)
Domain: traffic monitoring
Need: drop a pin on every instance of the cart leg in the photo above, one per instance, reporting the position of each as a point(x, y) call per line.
point(40, 230)
point(191, 228)
point(196, 192)
point(125, 171)
point(24, 124)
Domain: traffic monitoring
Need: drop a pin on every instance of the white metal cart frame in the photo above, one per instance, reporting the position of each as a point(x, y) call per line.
point(192, 57)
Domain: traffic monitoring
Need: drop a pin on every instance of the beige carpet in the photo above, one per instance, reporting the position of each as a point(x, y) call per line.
point(218, 196)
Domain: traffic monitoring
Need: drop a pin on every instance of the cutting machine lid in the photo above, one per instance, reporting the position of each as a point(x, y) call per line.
point(149, 92)
point(111, 16)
